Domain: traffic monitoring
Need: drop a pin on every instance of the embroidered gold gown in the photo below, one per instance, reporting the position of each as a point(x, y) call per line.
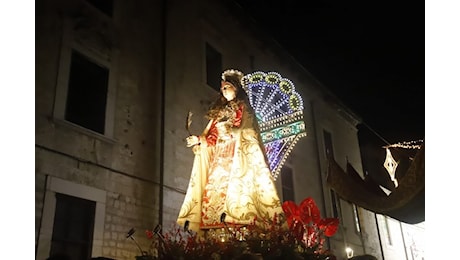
point(230, 175)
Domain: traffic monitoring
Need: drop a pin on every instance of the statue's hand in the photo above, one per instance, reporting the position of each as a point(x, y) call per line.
point(196, 149)
point(192, 140)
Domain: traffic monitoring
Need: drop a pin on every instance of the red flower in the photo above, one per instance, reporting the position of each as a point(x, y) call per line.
point(291, 211)
point(149, 234)
point(329, 226)
point(306, 224)
point(309, 212)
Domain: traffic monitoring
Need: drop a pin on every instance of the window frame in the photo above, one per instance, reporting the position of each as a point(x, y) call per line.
point(57, 185)
point(334, 198)
point(356, 218)
point(70, 115)
point(325, 142)
point(335, 204)
point(62, 238)
point(70, 43)
point(389, 239)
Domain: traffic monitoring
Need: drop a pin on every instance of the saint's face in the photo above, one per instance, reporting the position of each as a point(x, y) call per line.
point(228, 90)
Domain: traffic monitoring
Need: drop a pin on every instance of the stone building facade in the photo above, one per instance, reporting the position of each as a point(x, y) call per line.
point(107, 155)
point(124, 163)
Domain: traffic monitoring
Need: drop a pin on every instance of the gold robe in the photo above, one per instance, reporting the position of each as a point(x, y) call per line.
point(230, 175)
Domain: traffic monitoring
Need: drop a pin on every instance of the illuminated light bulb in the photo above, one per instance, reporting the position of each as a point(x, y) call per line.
point(349, 252)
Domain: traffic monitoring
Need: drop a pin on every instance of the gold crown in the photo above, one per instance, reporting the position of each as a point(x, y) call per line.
point(235, 77)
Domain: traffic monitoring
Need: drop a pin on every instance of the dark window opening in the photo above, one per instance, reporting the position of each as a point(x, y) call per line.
point(73, 228)
point(287, 184)
point(335, 207)
point(87, 93)
point(105, 6)
point(330, 153)
point(213, 67)
point(328, 144)
point(356, 218)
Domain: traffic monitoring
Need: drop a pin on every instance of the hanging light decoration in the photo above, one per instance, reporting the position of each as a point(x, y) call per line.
point(391, 164)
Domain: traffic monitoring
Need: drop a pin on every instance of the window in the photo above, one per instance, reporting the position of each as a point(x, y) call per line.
point(287, 184)
point(335, 206)
point(105, 6)
point(82, 199)
point(330, 152)
point(387, 229)
point(87, 93)
point(213, 67)
point(86, 83)
point(328, 144)
point(73, 227)
point(356, 218)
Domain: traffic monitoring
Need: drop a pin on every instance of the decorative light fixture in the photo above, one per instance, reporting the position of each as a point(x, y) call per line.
point(279, 111)
point(349, 252)
point(390, 164)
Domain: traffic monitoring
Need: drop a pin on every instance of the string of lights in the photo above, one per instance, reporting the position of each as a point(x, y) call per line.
point(407, 145)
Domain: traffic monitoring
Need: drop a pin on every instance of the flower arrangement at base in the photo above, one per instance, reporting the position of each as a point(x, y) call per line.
point(298, 234)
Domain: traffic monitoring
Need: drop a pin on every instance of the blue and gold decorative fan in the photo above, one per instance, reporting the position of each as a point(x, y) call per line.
point(279, 111)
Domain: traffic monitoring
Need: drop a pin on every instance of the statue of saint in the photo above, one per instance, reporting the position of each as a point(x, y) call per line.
point(230, 180)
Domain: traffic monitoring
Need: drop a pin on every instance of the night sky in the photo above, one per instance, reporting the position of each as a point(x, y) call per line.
point(370, 54)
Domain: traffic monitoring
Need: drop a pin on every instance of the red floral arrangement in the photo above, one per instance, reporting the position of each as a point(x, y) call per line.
point(299, 234)
point(306, 224)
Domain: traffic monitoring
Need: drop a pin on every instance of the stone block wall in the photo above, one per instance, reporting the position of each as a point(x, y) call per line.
point(119, 169)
